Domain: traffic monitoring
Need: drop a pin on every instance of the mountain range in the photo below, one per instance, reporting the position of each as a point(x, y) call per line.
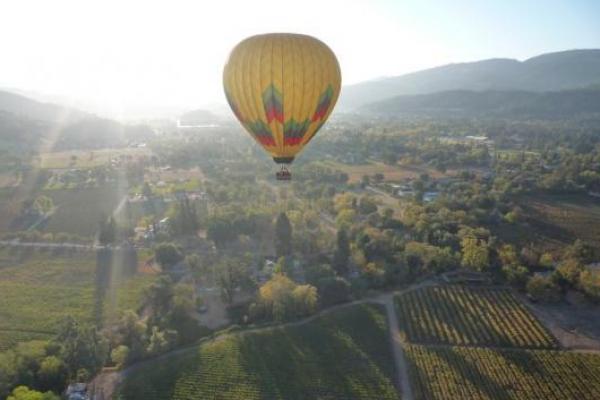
point(566, 104)
point(549, 86)
point(550, 72)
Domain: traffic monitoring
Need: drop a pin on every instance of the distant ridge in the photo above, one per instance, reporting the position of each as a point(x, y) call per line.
point(564, 70)
point(22, 106)
point(26, 123)
point(493, 104)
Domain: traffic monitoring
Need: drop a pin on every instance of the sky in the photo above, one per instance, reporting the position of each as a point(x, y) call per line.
point(125, 55)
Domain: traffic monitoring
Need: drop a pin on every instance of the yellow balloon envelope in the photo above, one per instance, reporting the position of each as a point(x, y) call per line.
point(282, 88)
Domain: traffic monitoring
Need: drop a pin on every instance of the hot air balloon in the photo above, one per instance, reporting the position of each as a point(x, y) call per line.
point(282, 88)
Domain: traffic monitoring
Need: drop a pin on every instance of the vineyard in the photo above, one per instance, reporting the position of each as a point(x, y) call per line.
point(345, 355)
point(566, 216)
point(9, 338)
point(475, 373)
point(553, 221)
point(456, 315)
point(38, 291)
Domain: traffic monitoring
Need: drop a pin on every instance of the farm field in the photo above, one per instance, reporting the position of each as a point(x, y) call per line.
point(456, 315)
point(439, 373)
point(79, 211)
point(344, 355)
point(553, 221)
point(566, 216)
point(37, 292)
point(85, 159)
point(391, 173)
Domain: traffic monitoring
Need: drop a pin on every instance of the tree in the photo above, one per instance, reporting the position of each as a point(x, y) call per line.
point(508, 254)
point(342, 253)
point(231, 274)
point(568, 272)
point(345, 218)
point(147, 190)
point(183, 218)
point(283, 236)
point(160, 341)
point(580, 251)
point(108, 231)
point(333, 291)
point(81, 346)
point(589, 281)
point(167, 255)
point(475, 253)
point(43, 204)
point(24, 393)
point(546, 260)
point(515, 274)
point(305, 299)
point(543, 289)
point(281, 299)
point(389, 157)
point(120, 355)
point(131, 330)
point(158, 296)
point(52, 374)
point(367, 205)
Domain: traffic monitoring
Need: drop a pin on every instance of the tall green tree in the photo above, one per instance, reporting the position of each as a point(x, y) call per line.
point(342, 253)
point(283, 236)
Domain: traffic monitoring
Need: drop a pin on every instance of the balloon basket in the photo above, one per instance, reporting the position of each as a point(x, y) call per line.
point(283, 175)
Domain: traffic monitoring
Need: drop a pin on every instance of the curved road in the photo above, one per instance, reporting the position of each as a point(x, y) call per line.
point(104, 385)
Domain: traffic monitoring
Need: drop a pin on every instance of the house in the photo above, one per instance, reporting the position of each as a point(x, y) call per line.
point(428, 197)
point(77, 391)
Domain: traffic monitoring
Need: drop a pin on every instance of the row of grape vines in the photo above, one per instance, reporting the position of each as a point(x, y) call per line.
point(464, 316)
point(9, 338)
point(443, 372)
point(345, 355)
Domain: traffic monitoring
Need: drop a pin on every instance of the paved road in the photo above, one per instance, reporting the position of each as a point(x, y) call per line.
point(66, 245)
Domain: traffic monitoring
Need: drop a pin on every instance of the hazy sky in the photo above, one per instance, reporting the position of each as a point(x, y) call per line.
point(122, 53)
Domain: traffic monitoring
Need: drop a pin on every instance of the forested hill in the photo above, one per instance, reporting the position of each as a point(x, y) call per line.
point(25, 123)
point(22, 106)
point(548, 72)
point(493, 104)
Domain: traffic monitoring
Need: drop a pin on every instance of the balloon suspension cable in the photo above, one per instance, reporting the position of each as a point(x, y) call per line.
point(283, 174)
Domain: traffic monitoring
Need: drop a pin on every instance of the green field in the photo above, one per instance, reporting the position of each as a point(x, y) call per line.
point(10, 338)
point(79, 210)
point(456, 315)
point(391, 173)
point(39, 291)
point(439, 373)
point(344, 355)
point(85, 159)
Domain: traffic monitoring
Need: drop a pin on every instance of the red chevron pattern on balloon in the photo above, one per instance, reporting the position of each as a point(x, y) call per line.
point(261, 132)
point(323, 104)
point(273, 104)
point(293, 131)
